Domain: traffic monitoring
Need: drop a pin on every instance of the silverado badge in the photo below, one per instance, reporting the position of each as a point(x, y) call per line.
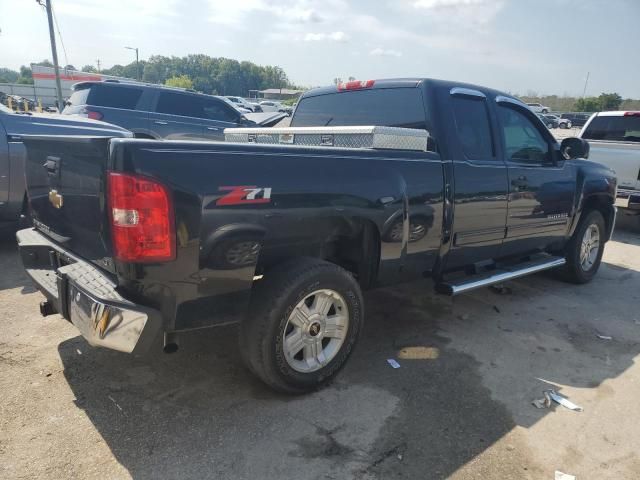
point(55, 198)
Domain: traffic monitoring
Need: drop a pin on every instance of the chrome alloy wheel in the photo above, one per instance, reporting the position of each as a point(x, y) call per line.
point(589, 247)
point(315, 330)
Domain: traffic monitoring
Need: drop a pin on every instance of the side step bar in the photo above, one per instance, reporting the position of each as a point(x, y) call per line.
point(469, 283)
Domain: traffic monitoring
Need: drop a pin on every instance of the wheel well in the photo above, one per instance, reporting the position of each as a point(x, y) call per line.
point(602, 204)
point(358, 253)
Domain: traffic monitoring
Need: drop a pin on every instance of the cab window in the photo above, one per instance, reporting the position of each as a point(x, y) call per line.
point(522, 140)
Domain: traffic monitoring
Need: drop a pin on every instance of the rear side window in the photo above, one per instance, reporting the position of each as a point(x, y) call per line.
point(391, 107)
point(472, 125)
point(185, 105)
point(114, 97)
point(623, 128)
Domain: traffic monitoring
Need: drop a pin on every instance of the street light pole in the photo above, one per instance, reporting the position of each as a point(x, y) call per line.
point(137, 62)
point(54, 54)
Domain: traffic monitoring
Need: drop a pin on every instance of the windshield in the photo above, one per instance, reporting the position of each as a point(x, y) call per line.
point(622, 128)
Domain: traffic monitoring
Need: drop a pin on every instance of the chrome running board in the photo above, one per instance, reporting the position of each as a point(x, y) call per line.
point(466, 284)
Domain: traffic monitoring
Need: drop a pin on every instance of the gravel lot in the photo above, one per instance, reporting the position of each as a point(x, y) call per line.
point(461, 410)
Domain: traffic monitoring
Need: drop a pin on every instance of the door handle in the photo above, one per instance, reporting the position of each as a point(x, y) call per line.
point(160, 122)
point(213, 128)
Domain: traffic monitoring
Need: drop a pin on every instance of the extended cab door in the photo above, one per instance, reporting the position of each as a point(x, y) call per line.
point(178, 116)
point(4, 166)
point(480, 181)
point(541, 184)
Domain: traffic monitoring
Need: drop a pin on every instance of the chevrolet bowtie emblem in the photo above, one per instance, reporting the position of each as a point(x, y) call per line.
point(55, 198)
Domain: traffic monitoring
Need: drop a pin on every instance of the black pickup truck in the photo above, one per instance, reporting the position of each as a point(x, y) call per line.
point(133, 238)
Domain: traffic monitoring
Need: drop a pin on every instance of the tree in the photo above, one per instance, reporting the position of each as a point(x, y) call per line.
point(609, 101)
point(89, 69)
point(181, 81)
point(588, 104)
point(8, 76)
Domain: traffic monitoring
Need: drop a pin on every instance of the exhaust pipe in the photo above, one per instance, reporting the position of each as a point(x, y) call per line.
point(170, 343)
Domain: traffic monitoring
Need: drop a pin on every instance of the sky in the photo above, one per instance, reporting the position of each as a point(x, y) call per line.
point(519, 46)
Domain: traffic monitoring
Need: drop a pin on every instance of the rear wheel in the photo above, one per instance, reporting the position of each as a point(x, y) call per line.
point(304, 321)
point(584, 250)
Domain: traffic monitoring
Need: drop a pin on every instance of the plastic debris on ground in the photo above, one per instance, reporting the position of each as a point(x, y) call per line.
point(552, 395)
point(393, 363)
point(564, 476)
point(604, 337)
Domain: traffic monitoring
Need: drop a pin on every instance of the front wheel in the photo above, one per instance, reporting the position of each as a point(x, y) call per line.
point(585, 248)
point(303, 324)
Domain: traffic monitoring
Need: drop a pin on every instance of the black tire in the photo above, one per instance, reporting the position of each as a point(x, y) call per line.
point(274, 298)
point(545, 111)
point(573, 271)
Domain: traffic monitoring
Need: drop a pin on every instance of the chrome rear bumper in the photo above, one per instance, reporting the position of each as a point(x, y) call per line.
point(86, 296)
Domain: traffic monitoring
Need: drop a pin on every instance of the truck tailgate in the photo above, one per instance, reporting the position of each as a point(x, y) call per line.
point(65, 178)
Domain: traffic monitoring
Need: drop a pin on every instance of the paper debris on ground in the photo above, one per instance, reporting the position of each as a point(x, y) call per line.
point(564, 476)
point(550, 395)
point(393, 363)
point(604, 337)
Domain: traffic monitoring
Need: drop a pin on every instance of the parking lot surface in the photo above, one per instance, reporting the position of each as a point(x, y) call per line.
point(458, 407)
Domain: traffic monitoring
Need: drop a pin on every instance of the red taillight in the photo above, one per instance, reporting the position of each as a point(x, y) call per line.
point(632, 114)
point(356, 85)
point(141, 215)
point(94, 115)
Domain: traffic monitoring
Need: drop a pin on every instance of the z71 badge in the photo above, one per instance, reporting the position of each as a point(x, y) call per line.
point(244, 195)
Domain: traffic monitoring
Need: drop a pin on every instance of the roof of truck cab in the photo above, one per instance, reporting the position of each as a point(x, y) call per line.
point(404, 83)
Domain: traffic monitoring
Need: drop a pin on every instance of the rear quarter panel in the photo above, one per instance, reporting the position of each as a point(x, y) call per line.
point(317, 197)
point(622, 157)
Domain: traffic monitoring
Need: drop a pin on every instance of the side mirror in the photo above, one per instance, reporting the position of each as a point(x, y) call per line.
point(574, 147)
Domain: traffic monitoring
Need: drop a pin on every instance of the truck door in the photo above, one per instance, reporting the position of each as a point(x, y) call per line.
point(541, 184)
point(480, 181)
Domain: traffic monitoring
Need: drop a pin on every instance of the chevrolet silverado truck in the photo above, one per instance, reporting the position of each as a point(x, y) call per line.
point(615, 141)
point(13, 198)
point(374, 183)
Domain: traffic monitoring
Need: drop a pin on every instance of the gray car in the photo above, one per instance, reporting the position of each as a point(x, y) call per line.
point(159, 112)
point(13, 128)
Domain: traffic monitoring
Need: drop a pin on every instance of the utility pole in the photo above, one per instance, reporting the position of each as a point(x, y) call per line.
point(584, 92)
point(54, 54)
point(98, 63)
point(137, 62)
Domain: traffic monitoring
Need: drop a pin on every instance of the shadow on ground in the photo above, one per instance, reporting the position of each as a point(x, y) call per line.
point(200, 414)
point(12, 275)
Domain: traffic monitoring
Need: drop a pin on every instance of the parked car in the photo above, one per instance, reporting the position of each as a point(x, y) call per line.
point(538, 108)
point(576, 119)
point(154, 111)
point(615, 142)
point(236, 106)
point(13, 127)
point(282, 238)
point(256, 107)
point(271, 106)
point(550, 121)
point(240, 102)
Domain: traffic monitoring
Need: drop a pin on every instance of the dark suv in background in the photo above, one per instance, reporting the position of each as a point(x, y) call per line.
point(154, 111)
point(576, 119)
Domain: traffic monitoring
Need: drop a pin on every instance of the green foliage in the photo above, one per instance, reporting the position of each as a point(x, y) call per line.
point(609, 101)
point(587, 104)
point(89, 69)
point(181, 81)
point(222, 76)
point(8, 76)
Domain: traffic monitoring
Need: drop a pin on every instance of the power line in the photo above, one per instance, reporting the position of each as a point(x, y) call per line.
point(64, 50)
